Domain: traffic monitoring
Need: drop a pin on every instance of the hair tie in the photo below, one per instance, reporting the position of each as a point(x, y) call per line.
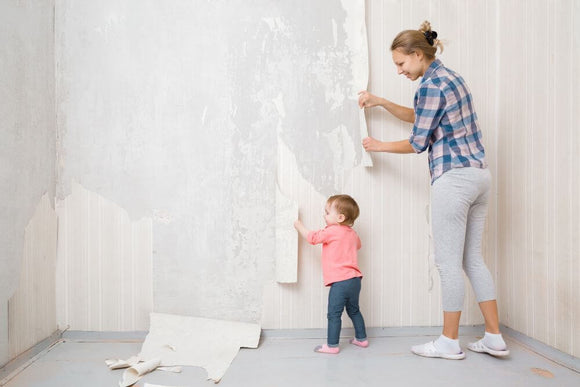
point(430, 36)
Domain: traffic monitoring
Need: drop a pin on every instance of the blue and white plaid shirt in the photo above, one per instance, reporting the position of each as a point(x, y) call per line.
point(445, 122)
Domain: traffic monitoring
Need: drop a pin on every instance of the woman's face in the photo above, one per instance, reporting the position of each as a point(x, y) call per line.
point(410, 65)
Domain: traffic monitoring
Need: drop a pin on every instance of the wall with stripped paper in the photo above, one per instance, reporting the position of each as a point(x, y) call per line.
point(180, 126)
point(401, 284)
point(181, 157)
point(27, 157)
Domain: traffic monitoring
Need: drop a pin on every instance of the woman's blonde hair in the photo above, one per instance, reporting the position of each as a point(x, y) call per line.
point(424, 40)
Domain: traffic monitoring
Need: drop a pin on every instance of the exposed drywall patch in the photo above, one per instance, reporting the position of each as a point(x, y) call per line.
point(194, 341)
point(104, 269)
point(344, 152)
point(308, 60)
point(162, 217)
point(337, 69)
point(32, 308)
point(150, 120)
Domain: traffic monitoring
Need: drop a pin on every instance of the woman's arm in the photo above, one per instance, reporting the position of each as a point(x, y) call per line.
point(403, 113)
point(372, 145)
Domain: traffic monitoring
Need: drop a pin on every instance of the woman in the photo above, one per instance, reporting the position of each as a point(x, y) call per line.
point(445, 123)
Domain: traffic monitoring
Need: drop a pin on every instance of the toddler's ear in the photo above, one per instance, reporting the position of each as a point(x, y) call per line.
point(341, 218)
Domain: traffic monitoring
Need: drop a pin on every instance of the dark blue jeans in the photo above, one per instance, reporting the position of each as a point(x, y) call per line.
point(344, 294)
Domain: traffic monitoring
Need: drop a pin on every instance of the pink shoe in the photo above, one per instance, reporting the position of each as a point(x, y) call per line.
point(364, 343)
point(324, 348)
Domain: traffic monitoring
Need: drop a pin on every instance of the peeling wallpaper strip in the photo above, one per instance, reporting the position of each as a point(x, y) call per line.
point(355, 25)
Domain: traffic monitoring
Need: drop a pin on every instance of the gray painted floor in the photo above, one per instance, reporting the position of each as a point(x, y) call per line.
point(290, 361)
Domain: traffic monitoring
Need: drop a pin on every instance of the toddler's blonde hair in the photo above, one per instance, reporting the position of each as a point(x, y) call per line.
point(345, 205)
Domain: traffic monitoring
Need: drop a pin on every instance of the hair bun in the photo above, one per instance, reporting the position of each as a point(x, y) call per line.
point(430, 36)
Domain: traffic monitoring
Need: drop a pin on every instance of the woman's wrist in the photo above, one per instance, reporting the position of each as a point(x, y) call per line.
point(382, 146)
point(386, 147)
point(385, 103)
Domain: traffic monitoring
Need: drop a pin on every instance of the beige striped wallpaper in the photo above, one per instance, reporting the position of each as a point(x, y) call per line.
point(104, 270)
point(538, 174)
point(32, 309)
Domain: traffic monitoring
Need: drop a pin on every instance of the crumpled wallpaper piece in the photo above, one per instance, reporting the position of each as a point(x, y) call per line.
point(194, 341)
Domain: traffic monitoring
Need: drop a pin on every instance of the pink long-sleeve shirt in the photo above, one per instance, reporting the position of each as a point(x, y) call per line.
point(339, 252)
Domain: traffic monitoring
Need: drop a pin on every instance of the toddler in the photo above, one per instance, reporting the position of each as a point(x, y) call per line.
point(339, 268)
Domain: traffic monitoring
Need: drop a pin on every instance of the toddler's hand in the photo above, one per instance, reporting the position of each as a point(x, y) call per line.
point(303, 231)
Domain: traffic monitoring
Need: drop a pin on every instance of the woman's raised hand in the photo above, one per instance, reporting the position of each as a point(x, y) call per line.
point(366, 99)
point(371, 145)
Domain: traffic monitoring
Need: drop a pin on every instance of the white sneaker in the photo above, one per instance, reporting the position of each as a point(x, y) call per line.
point(478, 346)
point(429, 350)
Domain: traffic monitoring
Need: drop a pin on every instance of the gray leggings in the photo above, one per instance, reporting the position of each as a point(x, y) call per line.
point(459, 201)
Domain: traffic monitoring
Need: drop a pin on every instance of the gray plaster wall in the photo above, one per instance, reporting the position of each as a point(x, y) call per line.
point(28, 128)
point(173, 111)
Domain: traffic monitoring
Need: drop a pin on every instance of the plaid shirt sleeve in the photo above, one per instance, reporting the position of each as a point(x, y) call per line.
point(429, 109)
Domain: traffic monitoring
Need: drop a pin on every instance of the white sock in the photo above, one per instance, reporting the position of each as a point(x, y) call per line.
point(446, 345)
point(494, 341)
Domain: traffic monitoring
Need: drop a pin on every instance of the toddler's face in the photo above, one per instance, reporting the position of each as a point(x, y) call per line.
point(331, 215)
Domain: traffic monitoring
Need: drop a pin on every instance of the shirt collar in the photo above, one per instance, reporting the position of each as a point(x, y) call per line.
point(431, 69)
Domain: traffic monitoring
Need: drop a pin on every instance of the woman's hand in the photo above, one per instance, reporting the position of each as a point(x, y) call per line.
point(366, 99)
point(372, 145)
